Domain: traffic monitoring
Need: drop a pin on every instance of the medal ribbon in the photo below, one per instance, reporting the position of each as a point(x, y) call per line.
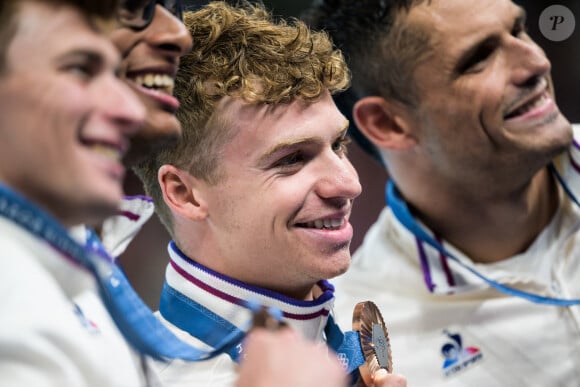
point(133, 318)
point(198, 321)
point(403, 215)
point(205, 325)
point(345, 344)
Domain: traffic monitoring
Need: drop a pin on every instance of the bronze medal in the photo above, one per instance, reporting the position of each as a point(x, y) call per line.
point(374, 340)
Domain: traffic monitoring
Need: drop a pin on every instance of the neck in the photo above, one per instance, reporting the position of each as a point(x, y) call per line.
point(491, 228)
point(303, 290)
point(309, 293)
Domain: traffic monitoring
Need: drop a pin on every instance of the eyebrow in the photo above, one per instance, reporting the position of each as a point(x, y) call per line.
point(299, 141)
point(94, 57)
point(487, 41)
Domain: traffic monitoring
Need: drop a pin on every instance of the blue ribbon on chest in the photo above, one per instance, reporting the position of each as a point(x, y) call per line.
point(403, 214)
point(133, 318)
point(203, 324)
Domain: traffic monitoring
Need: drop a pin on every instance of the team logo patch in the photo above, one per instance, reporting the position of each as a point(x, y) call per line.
point(456, 357)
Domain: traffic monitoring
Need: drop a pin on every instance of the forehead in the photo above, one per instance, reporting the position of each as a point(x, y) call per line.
point(454, 24)
point(50, 30)
point(296, 115)
point(259, 128)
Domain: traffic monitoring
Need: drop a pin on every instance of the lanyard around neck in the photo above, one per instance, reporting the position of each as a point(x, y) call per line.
point(401, 211)
point(133, 318)
point(205, 325)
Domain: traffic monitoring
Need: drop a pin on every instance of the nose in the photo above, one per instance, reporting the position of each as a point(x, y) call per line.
point(121, 107)
point(339, 179)
point(530, 61)
point(168, 34)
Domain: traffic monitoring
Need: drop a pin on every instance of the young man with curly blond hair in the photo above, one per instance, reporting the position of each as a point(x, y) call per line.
point(258, 192)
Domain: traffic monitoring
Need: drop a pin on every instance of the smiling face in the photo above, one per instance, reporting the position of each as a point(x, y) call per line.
point(65, 119)
point(279, 212)
point(486, 114)
point(149, 65)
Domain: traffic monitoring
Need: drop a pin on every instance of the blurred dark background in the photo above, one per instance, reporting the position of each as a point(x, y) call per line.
point(146, 257)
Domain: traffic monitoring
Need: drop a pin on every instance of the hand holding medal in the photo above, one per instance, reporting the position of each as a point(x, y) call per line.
point(279, 356)
point(374, 340)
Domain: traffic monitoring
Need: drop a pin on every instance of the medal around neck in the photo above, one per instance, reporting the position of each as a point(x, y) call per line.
point(374, 340)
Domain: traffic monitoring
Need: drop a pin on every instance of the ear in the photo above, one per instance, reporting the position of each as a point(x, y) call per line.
point(181, 192)
point(383, 122)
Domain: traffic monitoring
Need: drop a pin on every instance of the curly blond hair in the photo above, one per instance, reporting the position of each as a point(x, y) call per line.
point(242, 52)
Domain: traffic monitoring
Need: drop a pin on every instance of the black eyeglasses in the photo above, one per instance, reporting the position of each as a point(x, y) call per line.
point(138, 14)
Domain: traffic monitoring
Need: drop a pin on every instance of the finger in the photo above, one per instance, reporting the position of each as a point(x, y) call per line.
point(382, 378)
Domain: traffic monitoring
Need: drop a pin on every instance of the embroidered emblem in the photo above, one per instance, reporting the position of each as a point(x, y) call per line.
point(456, 357)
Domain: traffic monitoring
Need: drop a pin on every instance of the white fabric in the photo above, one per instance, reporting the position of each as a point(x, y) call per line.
point(44, 339)
point(205, 289)
point(118, 231)
point(504, 340)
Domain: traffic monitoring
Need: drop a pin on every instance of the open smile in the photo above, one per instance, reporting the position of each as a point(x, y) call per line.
point(160, 82)
point(325, 224)
point(538, 105)
point(158, 85)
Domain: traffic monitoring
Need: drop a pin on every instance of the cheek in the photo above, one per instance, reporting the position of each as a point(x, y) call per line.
point(66, 107)
point(160, 125)
point(46, 123)
point(66, 124)
point(273, 209)
point(123, 39)
point(488, 94)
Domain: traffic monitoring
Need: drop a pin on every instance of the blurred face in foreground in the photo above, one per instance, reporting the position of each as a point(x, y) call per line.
point(65, 118)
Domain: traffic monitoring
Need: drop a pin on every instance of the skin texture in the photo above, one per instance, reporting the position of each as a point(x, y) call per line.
point(467, 158)
point(153, 51)
point(283, 168)
point(265, 365)
point(60, 95)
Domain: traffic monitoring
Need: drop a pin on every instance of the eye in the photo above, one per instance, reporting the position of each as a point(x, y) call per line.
point(83, 66)
point(519, 29)
point(84, 71)
point(340, 145)
point(290, 160)
point(474, 62)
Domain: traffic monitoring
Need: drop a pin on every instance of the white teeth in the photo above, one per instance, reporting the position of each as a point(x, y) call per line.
point(107, 151)
point(157, 81)
point(532, 105)
point(329, 224)
point(336, 223)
